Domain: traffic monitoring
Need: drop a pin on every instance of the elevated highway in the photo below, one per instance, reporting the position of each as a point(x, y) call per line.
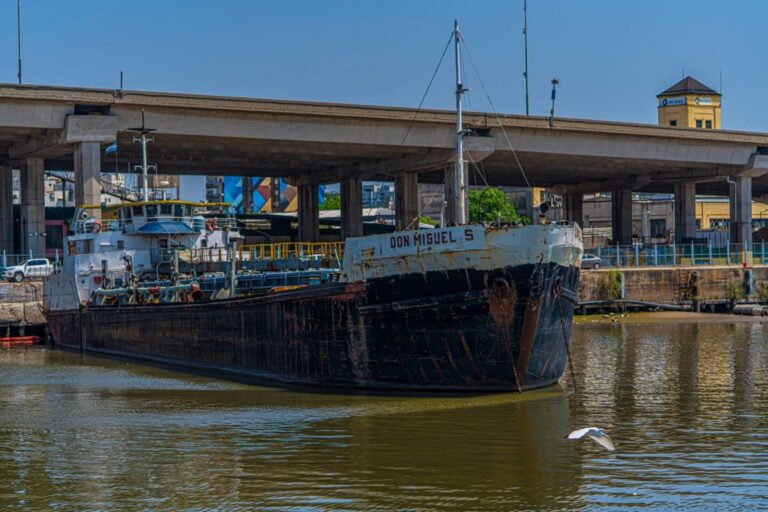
point(63, 128)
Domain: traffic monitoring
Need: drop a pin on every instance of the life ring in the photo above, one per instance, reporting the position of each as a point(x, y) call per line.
point(96, 226)
point(210, 225)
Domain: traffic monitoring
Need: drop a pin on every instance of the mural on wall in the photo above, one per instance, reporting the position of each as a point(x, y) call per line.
point(262, 195)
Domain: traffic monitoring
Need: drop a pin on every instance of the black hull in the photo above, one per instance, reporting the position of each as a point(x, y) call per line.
point(470, 331)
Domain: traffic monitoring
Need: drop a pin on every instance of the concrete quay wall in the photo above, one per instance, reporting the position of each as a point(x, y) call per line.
point(675, 285)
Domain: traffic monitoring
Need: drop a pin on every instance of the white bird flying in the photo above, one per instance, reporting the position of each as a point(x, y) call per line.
point(596, 434)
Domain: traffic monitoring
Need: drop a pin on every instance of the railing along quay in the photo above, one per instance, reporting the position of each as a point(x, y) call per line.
point(676, 255)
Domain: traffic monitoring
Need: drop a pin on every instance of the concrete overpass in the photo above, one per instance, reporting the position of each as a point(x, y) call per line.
point(312, 143)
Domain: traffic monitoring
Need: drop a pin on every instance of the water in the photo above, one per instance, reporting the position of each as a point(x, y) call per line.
point(684, 403)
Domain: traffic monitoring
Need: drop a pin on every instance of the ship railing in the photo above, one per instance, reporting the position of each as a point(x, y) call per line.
point(328, 251)
point(91, 225)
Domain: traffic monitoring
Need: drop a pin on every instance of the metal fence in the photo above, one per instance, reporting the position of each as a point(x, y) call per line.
point(673, 255)
point(11, 259)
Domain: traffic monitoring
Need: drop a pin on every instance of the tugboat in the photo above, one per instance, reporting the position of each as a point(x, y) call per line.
point(469, 307)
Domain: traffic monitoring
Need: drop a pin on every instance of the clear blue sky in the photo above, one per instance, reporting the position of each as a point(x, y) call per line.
point(611, 56)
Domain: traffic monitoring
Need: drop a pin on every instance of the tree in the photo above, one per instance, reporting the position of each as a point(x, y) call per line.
point(490, 204)
point(331, 202)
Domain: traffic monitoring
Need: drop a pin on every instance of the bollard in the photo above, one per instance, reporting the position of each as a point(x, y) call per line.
point(655, 255)
point(728, 253)
point(693, 254)
point(710, 251)
point(637, 255)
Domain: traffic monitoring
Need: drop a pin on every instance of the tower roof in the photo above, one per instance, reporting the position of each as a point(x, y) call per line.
point(688, 85)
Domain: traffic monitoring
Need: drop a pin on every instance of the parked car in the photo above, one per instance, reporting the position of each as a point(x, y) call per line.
point(29, 269)
point(591, 261)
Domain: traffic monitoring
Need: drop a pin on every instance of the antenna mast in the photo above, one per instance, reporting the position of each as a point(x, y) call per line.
point(460, 190)
point(144, 167)
point(525, 34)
point(18, 33)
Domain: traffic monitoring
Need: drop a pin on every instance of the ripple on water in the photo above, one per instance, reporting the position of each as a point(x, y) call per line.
point(685, 405)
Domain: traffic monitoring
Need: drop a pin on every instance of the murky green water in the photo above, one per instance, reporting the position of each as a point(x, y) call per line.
point(684, 403)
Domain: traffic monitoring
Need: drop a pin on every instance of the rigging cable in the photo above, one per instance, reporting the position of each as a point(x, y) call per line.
point(434, 74)
point(498, 118)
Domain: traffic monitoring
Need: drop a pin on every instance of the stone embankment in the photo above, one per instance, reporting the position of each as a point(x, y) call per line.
point(20, 306)
point(697, 286)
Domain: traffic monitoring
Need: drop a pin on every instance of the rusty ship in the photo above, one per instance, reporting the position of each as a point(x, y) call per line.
point(464, 307)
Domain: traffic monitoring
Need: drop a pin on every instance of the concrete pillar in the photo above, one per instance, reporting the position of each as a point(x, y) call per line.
point(573, 208)
point(407, 201)
point(33, 206)
point(621, 216)
point(309, 214)
point(351, 208)
point(6, 210)
point(685, 212)
point(741, 212)
point(87, 175)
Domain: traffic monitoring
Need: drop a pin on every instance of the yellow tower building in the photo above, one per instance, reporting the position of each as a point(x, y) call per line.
point(690, 104)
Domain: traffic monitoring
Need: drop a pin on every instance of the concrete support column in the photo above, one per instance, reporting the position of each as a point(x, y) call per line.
point(685, 212)
point(741, 212)
point(87, 174)
point(309, 214)
point(573, 208)
point(351, 208)
point(33, 206)
point(407, 201)
point(6, 209)
point(621, 216)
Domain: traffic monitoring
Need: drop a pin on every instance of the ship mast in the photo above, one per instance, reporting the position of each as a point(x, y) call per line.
point(144, 167)
point(459, 179)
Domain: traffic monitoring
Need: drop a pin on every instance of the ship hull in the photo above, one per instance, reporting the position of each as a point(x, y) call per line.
point(470, 330)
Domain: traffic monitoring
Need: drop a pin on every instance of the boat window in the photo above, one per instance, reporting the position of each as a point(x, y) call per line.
point(151, 212)
point(166, 209)
point(126, 213)
point(204, 243)
point(138, 211)
point(183, 210)
point(120, 245)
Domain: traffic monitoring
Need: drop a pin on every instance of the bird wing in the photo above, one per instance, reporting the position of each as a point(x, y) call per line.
point(578, 434)
point(604, 441)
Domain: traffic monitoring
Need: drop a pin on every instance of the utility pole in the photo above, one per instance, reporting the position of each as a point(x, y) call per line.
point(18, 33)
point(525, 35)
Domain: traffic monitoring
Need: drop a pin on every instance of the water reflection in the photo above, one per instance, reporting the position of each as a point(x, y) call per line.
point(684, 403)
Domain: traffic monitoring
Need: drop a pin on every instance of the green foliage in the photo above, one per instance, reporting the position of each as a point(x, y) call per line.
point(762, 292)
point(733, 291)
point(609, 285)
point(491, 203)
point(331, 202)
point(427, 220)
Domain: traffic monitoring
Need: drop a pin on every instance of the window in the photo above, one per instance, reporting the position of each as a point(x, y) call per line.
point(166, 209)
point(698, 123)
point(708, 124)
point(719, 223)
point(54, 236)
point(204, 243)
point(120, 245)
point(126, 213)
point(151, 212)
point(673, 122)
point(137, 210)
point(658, 228)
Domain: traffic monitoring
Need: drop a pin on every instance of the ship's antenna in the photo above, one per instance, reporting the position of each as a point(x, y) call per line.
point(18, 33)
point(525, 35)
point(459, 181)
point(144, 167)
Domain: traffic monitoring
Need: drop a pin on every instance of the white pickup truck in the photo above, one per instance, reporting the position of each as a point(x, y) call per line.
point(29, 269)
